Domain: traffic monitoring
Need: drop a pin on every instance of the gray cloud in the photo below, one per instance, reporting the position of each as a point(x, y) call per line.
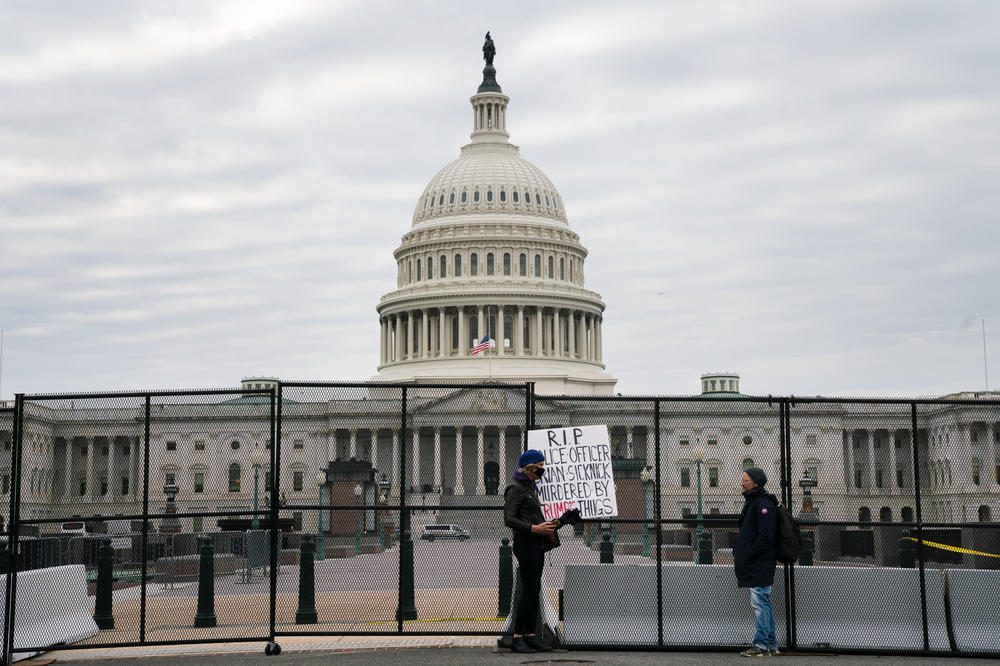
point(195, 192)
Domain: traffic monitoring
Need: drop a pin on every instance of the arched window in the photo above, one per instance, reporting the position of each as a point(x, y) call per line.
point(747, 463)
point(538, 265)
point(523, 265)
point(503, 196)
point(906, 515)
point(562, 268)
point(514, 194)
point(547, 200)
point(441, 200)
point(538, 199)
point(475, 197)
point(454, 333)
point(984, 514)
point(458, 265)
point(864, 515)
point(885, 515)
point(430, 268)
point(474, 327)
point(451, 198)
point(474, 264)
point(465, 196)
point(527, 197)
point(234, 478)
point(489, 263)
point(489, 195)
point(506, 263)
point(418, 269)
point(443, 267)
point(552, 272)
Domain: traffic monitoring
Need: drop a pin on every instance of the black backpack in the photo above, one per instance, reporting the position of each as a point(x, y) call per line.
point(789, 537)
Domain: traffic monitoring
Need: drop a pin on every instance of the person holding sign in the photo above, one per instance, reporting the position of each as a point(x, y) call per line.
point(522, 513)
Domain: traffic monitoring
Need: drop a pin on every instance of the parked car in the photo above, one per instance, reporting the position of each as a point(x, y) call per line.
point(431, 532)
point(74, 527)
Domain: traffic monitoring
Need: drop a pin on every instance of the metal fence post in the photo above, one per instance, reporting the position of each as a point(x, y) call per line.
point(205, 617)
point(607, 549)
point(505, 582)
point(306, 613)
point(103, 613)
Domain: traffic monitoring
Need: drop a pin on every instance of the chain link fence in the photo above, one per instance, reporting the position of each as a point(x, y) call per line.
point(376, 509)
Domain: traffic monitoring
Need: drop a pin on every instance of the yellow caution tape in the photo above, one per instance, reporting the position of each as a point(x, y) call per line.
point(954, 549)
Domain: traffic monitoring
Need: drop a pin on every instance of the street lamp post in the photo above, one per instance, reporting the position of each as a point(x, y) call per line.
point(357, 520)
point(257, 458)
point(321, 484)
point(647, 490)
point(703, 539)
point(383, 485)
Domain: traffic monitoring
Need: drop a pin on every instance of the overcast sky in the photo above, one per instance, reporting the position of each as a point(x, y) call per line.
point(806, 193)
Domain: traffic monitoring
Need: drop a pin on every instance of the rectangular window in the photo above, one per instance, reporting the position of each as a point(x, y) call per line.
point(234, 478)
point(124, 485)
point(196, 524)
point(169, 478)
point(975, 474)
point(474, 264)
point(810, 440)
point(171, 446)
point(878, 478)
point(684, 441)
point(199, 445)
point(297, 520)
point(104, 487)
point(199, 482)
point(489, 263)
point(506, 263)
point(857, 478)
point(899, 478)
point(297, 480)
point(298, 444)
point(813, 473)
point(83, 488)
point(685, 477)
point(712, 441)
point(713, 477)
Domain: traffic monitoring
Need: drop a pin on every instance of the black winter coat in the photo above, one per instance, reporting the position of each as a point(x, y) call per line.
point(521, 510)
point(754, 556)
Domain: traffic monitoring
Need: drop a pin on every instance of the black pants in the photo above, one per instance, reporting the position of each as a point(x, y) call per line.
point(530, 560)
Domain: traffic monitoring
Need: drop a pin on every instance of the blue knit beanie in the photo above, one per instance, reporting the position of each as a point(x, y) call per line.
point(530, 457)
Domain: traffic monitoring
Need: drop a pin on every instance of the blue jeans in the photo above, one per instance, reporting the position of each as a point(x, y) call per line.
point(760, 601)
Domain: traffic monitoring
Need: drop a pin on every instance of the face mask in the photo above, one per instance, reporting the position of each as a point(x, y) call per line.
point(540, 472)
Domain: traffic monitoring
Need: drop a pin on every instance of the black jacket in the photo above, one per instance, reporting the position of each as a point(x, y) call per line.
point(754, 555)
point(521, 510)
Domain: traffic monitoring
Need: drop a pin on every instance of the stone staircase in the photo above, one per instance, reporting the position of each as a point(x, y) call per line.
point(479, 523)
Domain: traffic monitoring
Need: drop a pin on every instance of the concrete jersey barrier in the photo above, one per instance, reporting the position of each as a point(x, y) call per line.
point(52, 608)
point(974, 602)
point(873, 608)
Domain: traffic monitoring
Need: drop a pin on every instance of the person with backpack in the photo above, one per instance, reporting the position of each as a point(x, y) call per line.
point(755, 557)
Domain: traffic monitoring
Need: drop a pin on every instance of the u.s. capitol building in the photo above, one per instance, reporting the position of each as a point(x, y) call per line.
point(490, 253)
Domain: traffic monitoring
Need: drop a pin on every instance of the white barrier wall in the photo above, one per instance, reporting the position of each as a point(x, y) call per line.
point(52, 607)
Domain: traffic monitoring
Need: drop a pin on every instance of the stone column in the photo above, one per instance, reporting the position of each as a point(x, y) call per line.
point(416, 458)
point(437, 458)
point(628, 441)
point(599, 342)
point(408, 352)
point(480, 324)
point(425, 340)
point(395, 463)
point(354, 443)
point(869, 449)
point(441, 338)
point(499, 333)
point(502, 449)
point(557, 332)
point(110, 470)
point(459, 481)
point(480, 487)
point(519, 332)
point(572, 334)
point(91, 454)
point(588, 337)
point(399, 337)
point(70, 479)
point(539, 346)
point(463, 331)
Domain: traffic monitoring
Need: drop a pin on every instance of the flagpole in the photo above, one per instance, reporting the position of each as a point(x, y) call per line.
point(986, 369)
point(489, 357)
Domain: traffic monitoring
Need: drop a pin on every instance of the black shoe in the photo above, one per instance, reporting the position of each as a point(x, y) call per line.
point(538, 644)
point(520, 645)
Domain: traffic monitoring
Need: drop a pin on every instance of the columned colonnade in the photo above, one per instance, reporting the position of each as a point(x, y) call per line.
point(531, 331)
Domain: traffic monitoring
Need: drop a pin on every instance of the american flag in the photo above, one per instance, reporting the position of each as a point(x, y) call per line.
point(485, 343)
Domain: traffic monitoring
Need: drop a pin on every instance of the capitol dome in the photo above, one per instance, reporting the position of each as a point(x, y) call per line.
point(490, 277)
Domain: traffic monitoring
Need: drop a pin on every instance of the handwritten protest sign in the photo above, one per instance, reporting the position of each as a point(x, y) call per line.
point(577, 471)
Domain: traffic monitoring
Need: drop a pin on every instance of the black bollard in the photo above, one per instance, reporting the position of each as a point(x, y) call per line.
point(103, 613)
point(907, 551)
point(808, 544)
point(306, 613)
point(505, 583)
point(705, 547)
point(205, 617)
point(407, 609)
point(607, 549)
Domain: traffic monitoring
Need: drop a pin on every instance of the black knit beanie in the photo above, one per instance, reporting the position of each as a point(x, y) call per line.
point(756, 475)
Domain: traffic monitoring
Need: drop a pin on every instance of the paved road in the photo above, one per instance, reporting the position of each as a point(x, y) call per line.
point(466, 656)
